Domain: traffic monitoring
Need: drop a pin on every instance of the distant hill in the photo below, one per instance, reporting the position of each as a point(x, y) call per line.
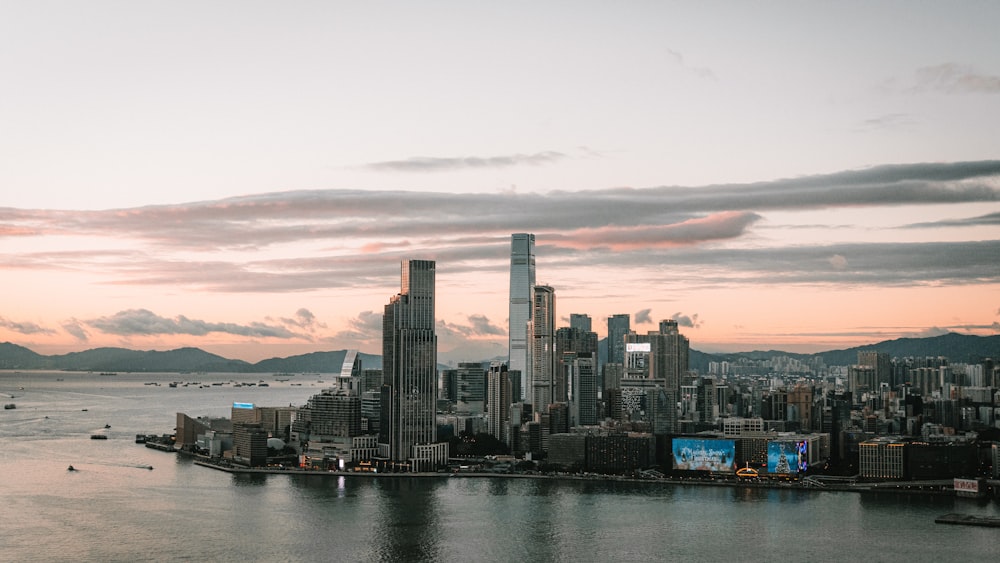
point(318, 362)
point(959, 348)
point(13, 356)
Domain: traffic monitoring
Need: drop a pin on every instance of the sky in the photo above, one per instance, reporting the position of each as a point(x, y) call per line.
point(246, 177)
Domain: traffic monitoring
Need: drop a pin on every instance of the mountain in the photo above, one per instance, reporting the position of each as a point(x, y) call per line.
point(959, 348)
point(318, 362)
point(13, 356)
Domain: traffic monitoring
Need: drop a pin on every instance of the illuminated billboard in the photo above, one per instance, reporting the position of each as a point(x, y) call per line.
point(243, 406)
point(637, 346)
point(787, 457)
point(699, 454)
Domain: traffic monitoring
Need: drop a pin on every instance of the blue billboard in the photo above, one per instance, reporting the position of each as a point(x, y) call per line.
point(704, 454)
point(243, 406)
point(787, 457)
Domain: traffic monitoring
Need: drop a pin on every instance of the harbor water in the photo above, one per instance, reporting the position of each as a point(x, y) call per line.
point(114, 508)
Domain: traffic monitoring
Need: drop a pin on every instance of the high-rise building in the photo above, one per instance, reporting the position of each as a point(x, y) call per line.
point(333, 414)
point(409, 365)
point(882, 364)
point(498, 402)
point(668, 354)
point(471, 387)
point(571, 343)
point(582, 390)
point(618, 327)
point(522, 285)
point(543, 350)
point(580, 321)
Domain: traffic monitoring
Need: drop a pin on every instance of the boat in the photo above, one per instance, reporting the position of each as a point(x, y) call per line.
point(10, 406)
point(107, 426)
point(70, 468)
point(108, 373)
point(98, 436)
point(140, 438)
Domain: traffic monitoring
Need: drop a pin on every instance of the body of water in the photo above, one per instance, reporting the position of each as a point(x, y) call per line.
point(113, 508)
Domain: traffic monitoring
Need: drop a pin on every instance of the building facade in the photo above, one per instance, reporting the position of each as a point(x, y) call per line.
point(522, 284)
point(409, 364)
point(543, 350)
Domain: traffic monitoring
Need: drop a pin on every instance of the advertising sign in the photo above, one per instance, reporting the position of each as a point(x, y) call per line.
point(698, 454)
point(637, 347)
point(783, 457)
point(243, 406)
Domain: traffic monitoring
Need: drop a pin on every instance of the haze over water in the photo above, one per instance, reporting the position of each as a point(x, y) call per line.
point(114, 509)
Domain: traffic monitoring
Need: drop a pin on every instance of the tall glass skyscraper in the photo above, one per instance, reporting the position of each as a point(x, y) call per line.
point(409, 363)
point(522, 285)
point(618, 327)
point(543, 351)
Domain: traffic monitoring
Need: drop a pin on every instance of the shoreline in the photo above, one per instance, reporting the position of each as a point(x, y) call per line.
point(936, 489)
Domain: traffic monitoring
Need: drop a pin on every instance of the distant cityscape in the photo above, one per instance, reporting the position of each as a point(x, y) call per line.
point(561, 403)
point(553, 408)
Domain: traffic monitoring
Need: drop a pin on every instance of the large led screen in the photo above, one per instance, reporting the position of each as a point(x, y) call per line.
point(785, 458)
point(696, 454)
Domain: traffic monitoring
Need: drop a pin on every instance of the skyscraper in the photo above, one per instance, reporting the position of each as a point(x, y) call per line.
point(498, 402)
point(409, 366)
point(580, 321)
point(618, 327)
point(668, 361)
point(543, 350)
point(522, 285)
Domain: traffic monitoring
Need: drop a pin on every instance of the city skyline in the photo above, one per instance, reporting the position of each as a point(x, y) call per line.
point(798, 175)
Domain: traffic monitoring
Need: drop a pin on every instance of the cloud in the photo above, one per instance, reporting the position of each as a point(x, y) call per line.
point(476, 325)
point(931, 331)
point(838, 262)
point(379, 220)
point(432, 164)
point(331, 239)
point(142, 322)
point(24, 327)
point(642, 317)
point(953, 78)
point(75, 328)
point(303, 319)
point(989, 219)
point(700, 72)
point(719, 226)
point(366, 327)
point(481, 325)
point(888, 121)
point(688, 321)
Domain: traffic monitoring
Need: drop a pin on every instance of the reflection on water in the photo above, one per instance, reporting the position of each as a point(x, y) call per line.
point(249, 479)
point(112, 510)
point(406, 524)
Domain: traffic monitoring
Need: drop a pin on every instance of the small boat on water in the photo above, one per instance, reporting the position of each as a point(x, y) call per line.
point(70, 468)
point(10, 406)
point(106, 426)
point(98, 436)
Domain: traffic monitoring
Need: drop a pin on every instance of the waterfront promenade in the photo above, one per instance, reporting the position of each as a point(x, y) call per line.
point(937, 487)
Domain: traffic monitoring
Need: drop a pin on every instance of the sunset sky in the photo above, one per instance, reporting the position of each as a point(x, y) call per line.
point(245, 177)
